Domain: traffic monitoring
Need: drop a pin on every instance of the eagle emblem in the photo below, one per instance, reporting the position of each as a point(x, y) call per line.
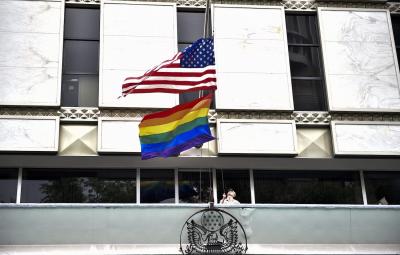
point(214, 234)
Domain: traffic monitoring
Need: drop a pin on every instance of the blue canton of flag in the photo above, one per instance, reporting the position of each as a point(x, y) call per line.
point(199, 54)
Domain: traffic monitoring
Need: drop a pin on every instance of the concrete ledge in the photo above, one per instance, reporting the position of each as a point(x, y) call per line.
point(114, 249)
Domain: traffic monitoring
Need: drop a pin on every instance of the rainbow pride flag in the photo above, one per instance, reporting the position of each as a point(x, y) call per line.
point(168, 133)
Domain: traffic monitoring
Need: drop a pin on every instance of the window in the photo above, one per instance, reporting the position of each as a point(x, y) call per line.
point(382, 187)
point(307, 187)
point(190, 28)
point(157, 186)
point(8, 185)
point(237, 180)
point(305, 62)
point(396, 33)
point(78, 186)
point(195, 186)
point(81, 57)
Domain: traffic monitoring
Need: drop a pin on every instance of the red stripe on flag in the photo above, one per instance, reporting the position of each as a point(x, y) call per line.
point(182, 74)
point(166, 90)
point(168, 82)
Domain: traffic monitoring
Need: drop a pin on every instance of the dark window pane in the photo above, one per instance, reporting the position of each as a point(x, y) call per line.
point(182, 46)
point(238, 180)
point(396, 28)
point(81, 57)
point(157, 186)
point(382, 187)
point(398, 54)
point(82, 23)
point(304, 61)
point(80, 90)
point(307, 187)
point(8, 185)
point(302, 29)
point(78, 186)
point(190, 26)
point(195, 187)
point(308, 95)
point(190, 96)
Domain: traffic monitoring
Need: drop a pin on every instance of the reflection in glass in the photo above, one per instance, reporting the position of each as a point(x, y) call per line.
point(237, 180)
point(80, 79)
point(157, 186)
point(190, 26)
point(78, 186)
point(307, 187)
point(382, 187)
point(8, 185)
point(308, 95)
point(195, 186)
point(190, 96)
point(183, 46)
point(80, 90)
point(304, 61)
point(81, 57)
point(396, 28)
point(396, 34)
point(82, 23)
point(301, 29)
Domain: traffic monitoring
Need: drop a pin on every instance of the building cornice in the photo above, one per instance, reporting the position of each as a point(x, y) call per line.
point(296, 5)
point(82, 114)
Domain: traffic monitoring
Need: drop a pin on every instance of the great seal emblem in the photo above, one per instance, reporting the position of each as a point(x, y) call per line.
point(213, 231)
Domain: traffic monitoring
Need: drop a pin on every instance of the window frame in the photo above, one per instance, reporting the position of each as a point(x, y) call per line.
point(188, 170)
point(253, 203)
point(68, 39)
point(321, 67)
point(317, 176)
point(200, 93)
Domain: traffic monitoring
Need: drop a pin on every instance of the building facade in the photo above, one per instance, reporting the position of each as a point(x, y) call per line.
point(306, 119)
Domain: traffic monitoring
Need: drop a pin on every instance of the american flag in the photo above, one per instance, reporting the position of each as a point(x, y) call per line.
point(190, 70)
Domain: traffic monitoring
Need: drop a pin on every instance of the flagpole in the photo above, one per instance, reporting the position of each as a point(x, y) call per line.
point(206, 29)
point(206, 20)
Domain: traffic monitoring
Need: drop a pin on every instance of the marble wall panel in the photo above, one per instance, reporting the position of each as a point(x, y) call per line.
point(366, 138)
point(139, 14)
point(29, 134)
point(360, 61)
point(26, 86)
point(29, 50)
point(364, 92)
point(127, 52)
point(256, 137)
point(132, 44)
point(251, 42)
point(30, 53)
point(259, 87)
point(359, 58)
point(30, 16)
point(355, 26)
point(111, 91)
point(256, 23)
point(251, 56)
point(118, 135)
